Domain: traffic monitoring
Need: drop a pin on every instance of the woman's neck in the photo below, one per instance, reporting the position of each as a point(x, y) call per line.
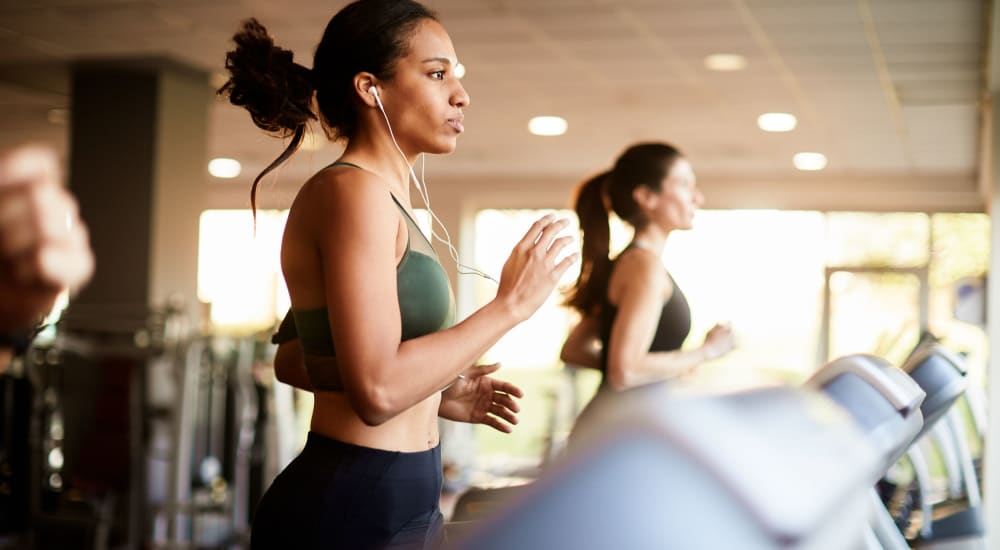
point(378, 155)
point(650, 238)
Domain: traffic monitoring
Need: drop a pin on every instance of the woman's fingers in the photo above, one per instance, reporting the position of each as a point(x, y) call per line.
point(533, 233)
point(557, 248)
point(504, 413)
point(549, 233)
point(557, 245)
point(565, 264)
point(531, 272)
point(507, 387)
point(497, 425)
point(541, 234)
point(506, 401)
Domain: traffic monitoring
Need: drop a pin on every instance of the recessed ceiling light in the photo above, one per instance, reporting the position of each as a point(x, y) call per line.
point(809, 161)
point(547, 126)
point(224, 168)
point(776, 122)
point(725, 62)
point(459, 70)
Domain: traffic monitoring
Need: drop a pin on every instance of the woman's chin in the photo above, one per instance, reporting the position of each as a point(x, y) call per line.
point(449, 145)
point(442, 148)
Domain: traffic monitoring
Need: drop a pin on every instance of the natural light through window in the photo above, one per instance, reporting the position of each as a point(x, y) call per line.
point(761, 270)
point(725, 268)
point(239, 274)
point(536, 342)
point(765, 272)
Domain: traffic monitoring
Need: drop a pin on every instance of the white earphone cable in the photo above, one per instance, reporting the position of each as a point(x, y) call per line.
point(425, 197)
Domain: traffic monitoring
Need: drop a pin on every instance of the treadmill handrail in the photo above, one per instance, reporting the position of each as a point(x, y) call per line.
point(935, 349)
point(899, 389)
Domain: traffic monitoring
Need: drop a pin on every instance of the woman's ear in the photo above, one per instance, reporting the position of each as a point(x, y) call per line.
point(645, 197)
point(365, 87)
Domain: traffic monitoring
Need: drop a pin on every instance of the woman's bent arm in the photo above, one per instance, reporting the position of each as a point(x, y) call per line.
point(381, 375)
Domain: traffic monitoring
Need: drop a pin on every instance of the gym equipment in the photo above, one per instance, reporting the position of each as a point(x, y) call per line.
point(885, 403)
point(942, 375)
point(880, 397)
point(140, 436)
point(659, 470)
point(90, 475)
point(210, 500)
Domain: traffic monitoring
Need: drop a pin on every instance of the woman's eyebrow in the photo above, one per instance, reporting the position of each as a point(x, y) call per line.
point(437, 59)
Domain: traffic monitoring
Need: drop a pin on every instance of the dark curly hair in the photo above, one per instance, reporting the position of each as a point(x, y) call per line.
point(365, 36)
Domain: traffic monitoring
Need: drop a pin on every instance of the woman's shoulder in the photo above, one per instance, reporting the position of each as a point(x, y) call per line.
point(639, 261)
point(344, 188)
point(343, 180)
point(638, 268)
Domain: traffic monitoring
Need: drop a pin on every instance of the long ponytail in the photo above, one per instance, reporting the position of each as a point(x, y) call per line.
point(588, 293)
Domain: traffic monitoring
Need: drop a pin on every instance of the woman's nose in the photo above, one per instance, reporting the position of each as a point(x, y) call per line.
point(461, 98)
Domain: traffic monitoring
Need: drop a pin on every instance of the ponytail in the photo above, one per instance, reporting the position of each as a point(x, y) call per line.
point(595, 267)
point(267, 82)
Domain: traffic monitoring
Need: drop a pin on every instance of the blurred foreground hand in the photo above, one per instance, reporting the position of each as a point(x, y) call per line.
point(44, 246)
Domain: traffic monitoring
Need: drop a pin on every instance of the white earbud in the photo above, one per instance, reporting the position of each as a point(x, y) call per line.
point(374, 92)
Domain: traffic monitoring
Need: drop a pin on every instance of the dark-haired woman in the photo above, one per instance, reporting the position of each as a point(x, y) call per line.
point(371, 304)
point(634, 318)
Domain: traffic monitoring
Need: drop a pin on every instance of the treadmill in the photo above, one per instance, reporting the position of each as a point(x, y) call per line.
point(885, 403)
point(764, 469)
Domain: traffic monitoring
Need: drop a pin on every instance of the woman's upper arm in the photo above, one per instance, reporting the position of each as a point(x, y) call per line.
point(639, 306)
point(357, 246)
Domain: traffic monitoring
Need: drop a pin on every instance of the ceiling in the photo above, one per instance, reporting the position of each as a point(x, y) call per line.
point(889, 90)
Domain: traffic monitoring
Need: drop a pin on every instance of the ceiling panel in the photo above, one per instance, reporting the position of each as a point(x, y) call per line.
point(877, 83)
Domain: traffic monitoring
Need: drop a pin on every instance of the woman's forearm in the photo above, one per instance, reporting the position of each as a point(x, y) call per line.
point(655, 366)
point(465, 343)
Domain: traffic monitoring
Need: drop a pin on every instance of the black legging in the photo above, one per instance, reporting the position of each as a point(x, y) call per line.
point(339, 495)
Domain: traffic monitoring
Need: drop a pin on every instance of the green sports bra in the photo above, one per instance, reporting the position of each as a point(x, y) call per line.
point(426, 305)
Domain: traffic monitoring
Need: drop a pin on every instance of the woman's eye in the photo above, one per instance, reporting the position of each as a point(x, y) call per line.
point(437, 75)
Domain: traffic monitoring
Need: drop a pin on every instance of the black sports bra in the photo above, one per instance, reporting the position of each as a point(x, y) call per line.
point(673, 328)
